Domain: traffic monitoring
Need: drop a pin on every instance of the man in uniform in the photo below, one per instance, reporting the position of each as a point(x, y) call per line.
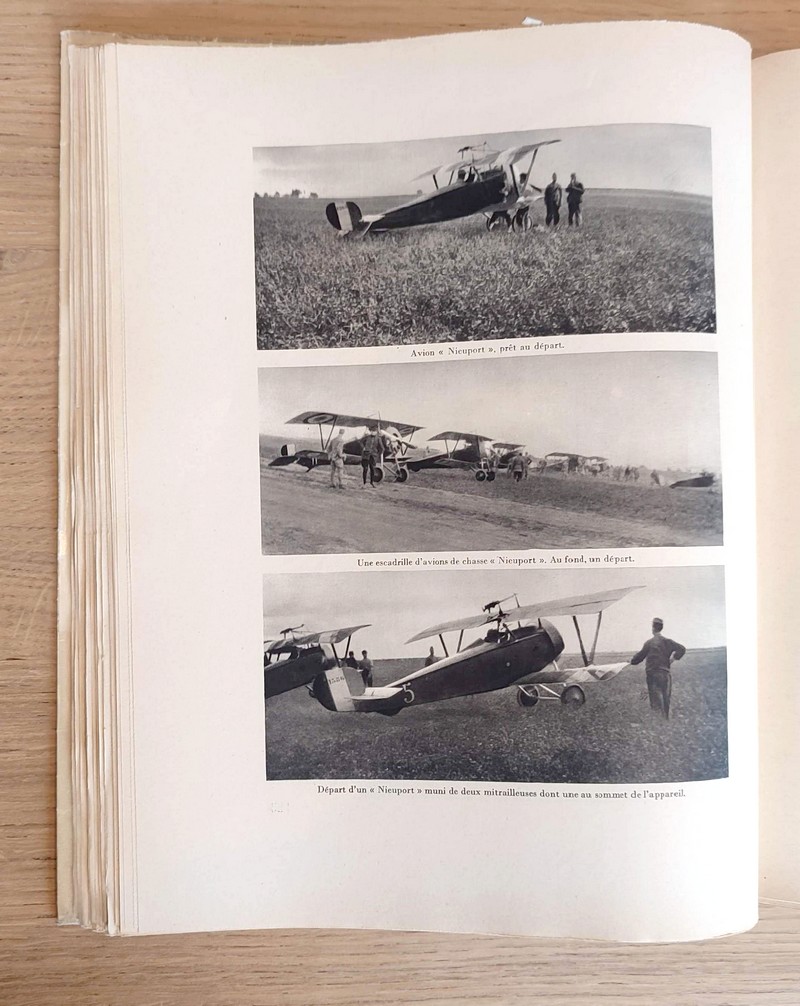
point(371, 452)
point(575, 192)
point(658, 653)
point(552, 202)
point(337, 460)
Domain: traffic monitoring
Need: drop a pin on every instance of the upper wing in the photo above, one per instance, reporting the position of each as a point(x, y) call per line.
point(512, 154)
point(329, 636)
point(506, 447)
point(472, 621)
point(581, 604)
point(337, 419)
point(455, 435)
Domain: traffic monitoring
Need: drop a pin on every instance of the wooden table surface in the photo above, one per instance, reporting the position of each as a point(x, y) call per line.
point(41, 964)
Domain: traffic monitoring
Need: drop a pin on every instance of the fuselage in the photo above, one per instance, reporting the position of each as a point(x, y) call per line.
point(449, 202)
point(495, 661)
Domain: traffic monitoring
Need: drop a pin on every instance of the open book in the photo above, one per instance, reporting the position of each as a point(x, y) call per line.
point(408, 544)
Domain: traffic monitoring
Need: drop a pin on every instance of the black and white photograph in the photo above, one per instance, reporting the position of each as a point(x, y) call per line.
point(606, 450)
point(537, 675)
point(586, 229)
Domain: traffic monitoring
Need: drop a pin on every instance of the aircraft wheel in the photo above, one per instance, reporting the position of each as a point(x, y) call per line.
point(573, 697)
point(498, 222)
point(490, 476)
point(522, 221)
point(528, 699)
point(480, 475)
point(402, 475)
point(378, 475)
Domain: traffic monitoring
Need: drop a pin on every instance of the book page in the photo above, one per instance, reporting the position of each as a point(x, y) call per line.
point(436, 358)
point(776, 252)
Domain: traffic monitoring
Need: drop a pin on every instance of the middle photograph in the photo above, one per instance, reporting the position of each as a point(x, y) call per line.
point(598, 450)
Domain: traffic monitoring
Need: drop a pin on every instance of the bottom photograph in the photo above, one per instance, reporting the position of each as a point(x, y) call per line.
point(538, 675)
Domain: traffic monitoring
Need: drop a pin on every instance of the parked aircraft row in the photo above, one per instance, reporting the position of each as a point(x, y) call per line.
point(517, 647)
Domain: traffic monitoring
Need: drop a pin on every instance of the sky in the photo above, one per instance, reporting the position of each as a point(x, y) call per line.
point(398, 605)
point(658, 409)
point(671, 158)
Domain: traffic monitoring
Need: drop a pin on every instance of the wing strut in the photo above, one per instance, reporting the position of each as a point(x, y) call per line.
point(441, 640)
point(590, 659)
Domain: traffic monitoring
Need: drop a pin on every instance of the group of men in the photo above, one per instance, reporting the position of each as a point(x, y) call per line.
point(363, 666)
point(553, 195)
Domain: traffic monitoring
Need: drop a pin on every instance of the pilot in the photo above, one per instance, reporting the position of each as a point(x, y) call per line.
point(431, 658)
point(337, 460)
point(575, 192)
point(371, 451)
point(552, 202)
point(658, 653)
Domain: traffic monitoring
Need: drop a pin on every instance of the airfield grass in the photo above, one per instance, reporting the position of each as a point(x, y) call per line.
point(613, 738)
point(694, 511)
point(641, 262)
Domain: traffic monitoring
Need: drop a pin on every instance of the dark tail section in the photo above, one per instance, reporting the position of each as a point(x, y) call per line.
point(344, 217)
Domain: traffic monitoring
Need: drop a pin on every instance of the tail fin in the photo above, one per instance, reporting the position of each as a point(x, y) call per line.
point(344, 217)
point(330, 688)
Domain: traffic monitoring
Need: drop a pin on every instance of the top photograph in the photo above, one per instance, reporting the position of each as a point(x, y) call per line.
point(581, 230)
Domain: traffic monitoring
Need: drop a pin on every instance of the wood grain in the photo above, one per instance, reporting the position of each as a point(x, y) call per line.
point(41, 964)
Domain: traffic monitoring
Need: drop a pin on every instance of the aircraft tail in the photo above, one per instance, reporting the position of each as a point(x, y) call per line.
point(330, 688)
point(345, 217)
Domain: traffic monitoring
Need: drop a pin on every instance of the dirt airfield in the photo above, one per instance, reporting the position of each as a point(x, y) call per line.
point(449, 510)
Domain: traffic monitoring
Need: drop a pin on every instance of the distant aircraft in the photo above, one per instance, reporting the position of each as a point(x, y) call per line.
point(478, 454)
point(702, 481)
point(480, 181)
point(399, 436)
point(507, 653)
point(295, 659)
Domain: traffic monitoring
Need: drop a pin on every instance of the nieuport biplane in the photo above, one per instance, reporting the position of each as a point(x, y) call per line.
point(517, 646)
point(480, 455)
point(296, 658)
point(396, 437)
point(480, 181)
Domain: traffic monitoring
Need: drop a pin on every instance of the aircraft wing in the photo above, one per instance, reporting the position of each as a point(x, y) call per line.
point(582, 604)
point(512, 154)
point(337, 419)
point(455, 435)
point(459, 624)
point(329, 636)
point(507, 447)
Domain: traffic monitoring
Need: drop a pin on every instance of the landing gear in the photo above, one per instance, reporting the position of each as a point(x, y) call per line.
point(491, 476)
point(480, 475)
point(573, 697)
point(528, 696)
point(377, 476)
point(498, 221)
point(402, 475)
point(522, 220)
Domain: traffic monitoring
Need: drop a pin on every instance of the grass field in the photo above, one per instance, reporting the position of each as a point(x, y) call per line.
point(641, 262)
point(613, 738)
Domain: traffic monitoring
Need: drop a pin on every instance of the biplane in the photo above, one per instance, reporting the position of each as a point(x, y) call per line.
point(296, 658)
point(397, 438)
point(472, 451)
point(479, 181)
point(517, 645)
